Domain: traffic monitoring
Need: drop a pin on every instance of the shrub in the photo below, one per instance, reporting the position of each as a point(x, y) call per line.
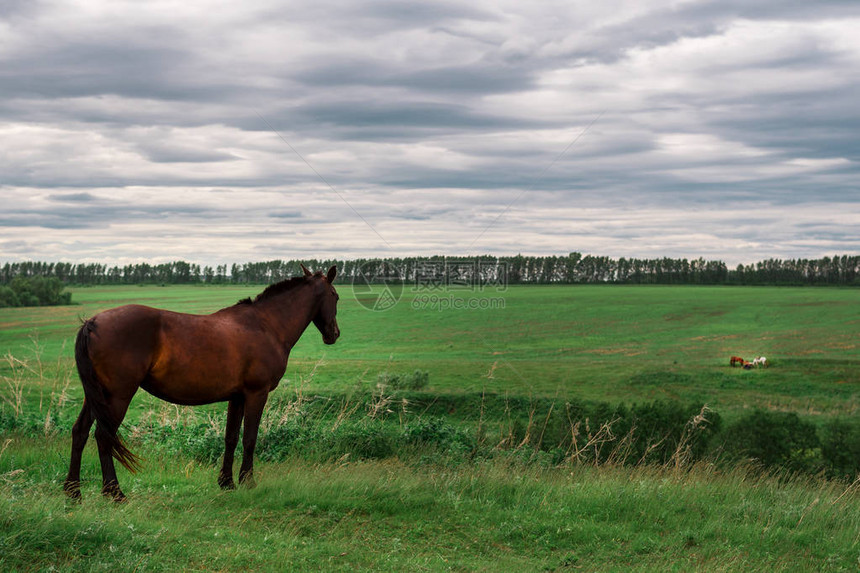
point(279, 442)
point(598, 432)
point(437, 432)
point(775, 439)
point(661, 428)
point(840, 448)
point(33, 423)
point(203, 442)
point(34, 291)
point(8, 298)
point(8, 421)
point(364, 440)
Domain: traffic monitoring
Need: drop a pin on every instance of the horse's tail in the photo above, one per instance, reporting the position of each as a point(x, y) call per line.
point(107, 427)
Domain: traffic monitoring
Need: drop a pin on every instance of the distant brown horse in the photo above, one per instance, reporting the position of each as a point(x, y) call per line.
point(236, 355)
point(736, 360)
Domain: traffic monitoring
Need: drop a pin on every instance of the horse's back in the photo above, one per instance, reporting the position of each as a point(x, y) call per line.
point(182, 358)
point(208, 358)
point(132, 326)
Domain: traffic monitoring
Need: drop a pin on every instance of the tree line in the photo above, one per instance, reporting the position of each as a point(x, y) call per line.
point(483, 271)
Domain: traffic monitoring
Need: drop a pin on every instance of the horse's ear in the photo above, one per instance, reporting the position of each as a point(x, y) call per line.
point(332, 273)
point(305, 269)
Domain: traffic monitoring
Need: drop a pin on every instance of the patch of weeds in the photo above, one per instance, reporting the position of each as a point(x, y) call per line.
point(418, 380)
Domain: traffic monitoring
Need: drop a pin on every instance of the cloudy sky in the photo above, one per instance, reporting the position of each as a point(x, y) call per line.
point(218, 132)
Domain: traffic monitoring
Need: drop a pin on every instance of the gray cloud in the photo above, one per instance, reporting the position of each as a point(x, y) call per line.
point(731, 126)
point(286, 215)
point(476, 78)
point(73, 197)
point(158, 153)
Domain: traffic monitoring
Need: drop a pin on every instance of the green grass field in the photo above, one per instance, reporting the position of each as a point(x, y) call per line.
point(613, 343)
point(630, 344)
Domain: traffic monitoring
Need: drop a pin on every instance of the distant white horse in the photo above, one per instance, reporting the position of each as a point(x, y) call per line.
point(760, 361)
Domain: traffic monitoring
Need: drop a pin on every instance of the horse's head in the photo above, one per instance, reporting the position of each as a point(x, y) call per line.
point(325, 318)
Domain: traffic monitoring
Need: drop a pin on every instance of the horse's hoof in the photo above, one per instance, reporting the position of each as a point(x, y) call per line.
point(248, 481)
point(115, 496)
point(113, 492)
point(225, 480)
point(72, 489)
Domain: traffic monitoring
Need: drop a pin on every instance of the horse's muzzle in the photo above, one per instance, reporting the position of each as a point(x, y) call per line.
point(331, 335)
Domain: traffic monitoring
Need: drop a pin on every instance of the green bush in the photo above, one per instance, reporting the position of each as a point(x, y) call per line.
point(436, 432)
point(651, 432)
point(661, 428)
point(460, 428)
point(34, 423)
point(279, 442)
point(34, 291)
point(840, 448)
point(774, 439)
point(8, 298)
point(8, 422)
point(362, 440)
point(203, 442)
point(321, 439)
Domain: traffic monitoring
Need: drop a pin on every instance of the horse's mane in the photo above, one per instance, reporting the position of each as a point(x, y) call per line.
point(277, 288)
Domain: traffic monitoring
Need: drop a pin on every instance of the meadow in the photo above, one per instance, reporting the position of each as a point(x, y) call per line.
point(489, 361)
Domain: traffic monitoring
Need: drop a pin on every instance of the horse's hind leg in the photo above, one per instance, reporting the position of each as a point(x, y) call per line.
point(80, 433)
point(231, 439)
point(253, 412)
point(110, 483)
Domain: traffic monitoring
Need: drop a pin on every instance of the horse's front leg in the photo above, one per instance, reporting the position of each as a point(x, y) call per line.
point(254, 404)
point(231, 439)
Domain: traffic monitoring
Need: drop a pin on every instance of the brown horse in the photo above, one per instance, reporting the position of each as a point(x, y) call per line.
point(236, 355)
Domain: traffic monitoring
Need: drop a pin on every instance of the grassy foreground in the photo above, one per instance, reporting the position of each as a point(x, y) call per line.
point(391, 515)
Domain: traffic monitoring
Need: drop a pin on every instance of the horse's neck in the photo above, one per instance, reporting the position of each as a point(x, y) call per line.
point(289, 313)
